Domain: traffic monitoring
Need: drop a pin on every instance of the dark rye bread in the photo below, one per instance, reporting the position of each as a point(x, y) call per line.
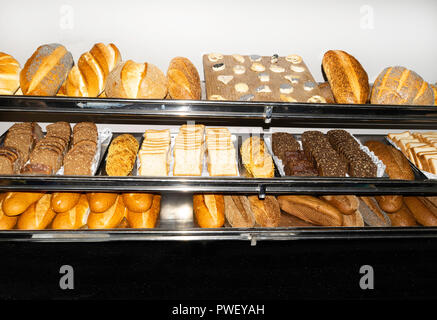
point(297, 164)
point(283, 142)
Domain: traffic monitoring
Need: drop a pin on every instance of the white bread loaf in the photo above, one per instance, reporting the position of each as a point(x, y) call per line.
point(9, 74)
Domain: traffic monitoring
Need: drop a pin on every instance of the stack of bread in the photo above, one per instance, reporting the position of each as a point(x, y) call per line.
point(221, 152)
point(154, 154)
point(121, 155)
point(419, 147)
point(256, 159)
point(189, 150)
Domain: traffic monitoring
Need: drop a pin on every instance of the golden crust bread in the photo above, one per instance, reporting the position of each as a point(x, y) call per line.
point(267, 212)
point(9, 74)
point(209, 210)
point(256, 159)
point(121, 155)
point(183, 80)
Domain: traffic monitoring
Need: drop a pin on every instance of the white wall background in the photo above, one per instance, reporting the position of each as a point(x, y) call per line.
point(377, 33)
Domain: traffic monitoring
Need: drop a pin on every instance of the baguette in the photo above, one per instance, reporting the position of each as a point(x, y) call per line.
point(183, 80)
point(209, 210)
point(64, 201)
point(402, 217)
point(238, 212)
point(101, 202)
point(111, 218)
point(9, 74)
point(74, 218)
point(347, 204)
point(6, 222)
point(353, 220)
point(16, 203)
point(147, 218)
point(138, 202)
point(423, 214)
point(372, 214)
point(46, 70)
point(311, 209)
point(267, 211)
point(389, 204)
point(38, 215)
point(348, 80)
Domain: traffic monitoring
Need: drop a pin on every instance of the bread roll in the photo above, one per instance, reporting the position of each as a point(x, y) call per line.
point(238, 212)
point(209, 210)
point(138, 202)
point(16, 203)
point(110, 218)
point(6, 222)
point(147, 218)
point(100, 202)
point(88, 77)
point(311, 209)
point(398, 85)
point(348, 80)
point(402, 218)
point(134, 80)
point(347, 204)
point(183, 80)
point(37, 216)
point(425, 215)
point(46, 70)
point(389, 204)
point(64, 201)
point(74, 218)
point(267, 212)
point(9, 74)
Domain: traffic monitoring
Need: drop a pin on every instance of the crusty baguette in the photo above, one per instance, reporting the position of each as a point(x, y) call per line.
point(46, 70)
point(421, 212)
point(64, 201)
point(6, 222)
point(9, 74)
point(134, 80)
point(38, 215)
point(311, 209)
point(372, 214)
point(238, 212)
point(138, 202)
point(111, 218)
point(100, 202)
point(75, 217)
point(267, 211)
point(147, 218)
point(347, 204)
point(347, 78)
point(353, 220)
point(388, 203)
point(209, 210)
point(183, 80)
point(16, 203)
point(402, 218)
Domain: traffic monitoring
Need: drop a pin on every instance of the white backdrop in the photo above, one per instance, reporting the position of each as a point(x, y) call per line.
point(377, 33)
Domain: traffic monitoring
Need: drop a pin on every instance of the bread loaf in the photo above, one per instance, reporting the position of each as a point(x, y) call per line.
point(372, 214)
point(311, 209)
point(238, 212)
point(348, 80)
point(38, 215)
point(100, 202)
point(88, 77)
point(9, 74)
point(267, 212)
point(147, 218)
point(353, 220)
point(74, 218)
point(402, 218)
point(389, 204)
point(326, 92)
point(121, 155)
point(138, 202)
point(209, 210)
point(6, 222)
point(183, 80)
point(46, 70)
point(256, 159)
point(16, 203)
point(110, 218)
point(434, 89)
point(398, 85)
point(425, 215)
point(347, 204)
point(134, 80)
point(64, 201)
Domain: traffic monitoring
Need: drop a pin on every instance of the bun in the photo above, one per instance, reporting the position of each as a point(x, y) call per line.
point(147, 218)
point(138, 202)
point(209, 210)
point(183, 80)
point(389, 204)
point(311, 209)
point(64, 201)
point(37, 216)
point(111, 218)
point(423, 213)
point(46, 70)
point(267, 212)
point(348, 80)
point(402, 218)
point(16, 203)
point(398, 85)
point(100, 202)
point(75, 218)
point(238, 212)
point(88, 77)
point(6, 222)
point(9, 74)
point(346, 204)
point(121, 155)
point(134, 80)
